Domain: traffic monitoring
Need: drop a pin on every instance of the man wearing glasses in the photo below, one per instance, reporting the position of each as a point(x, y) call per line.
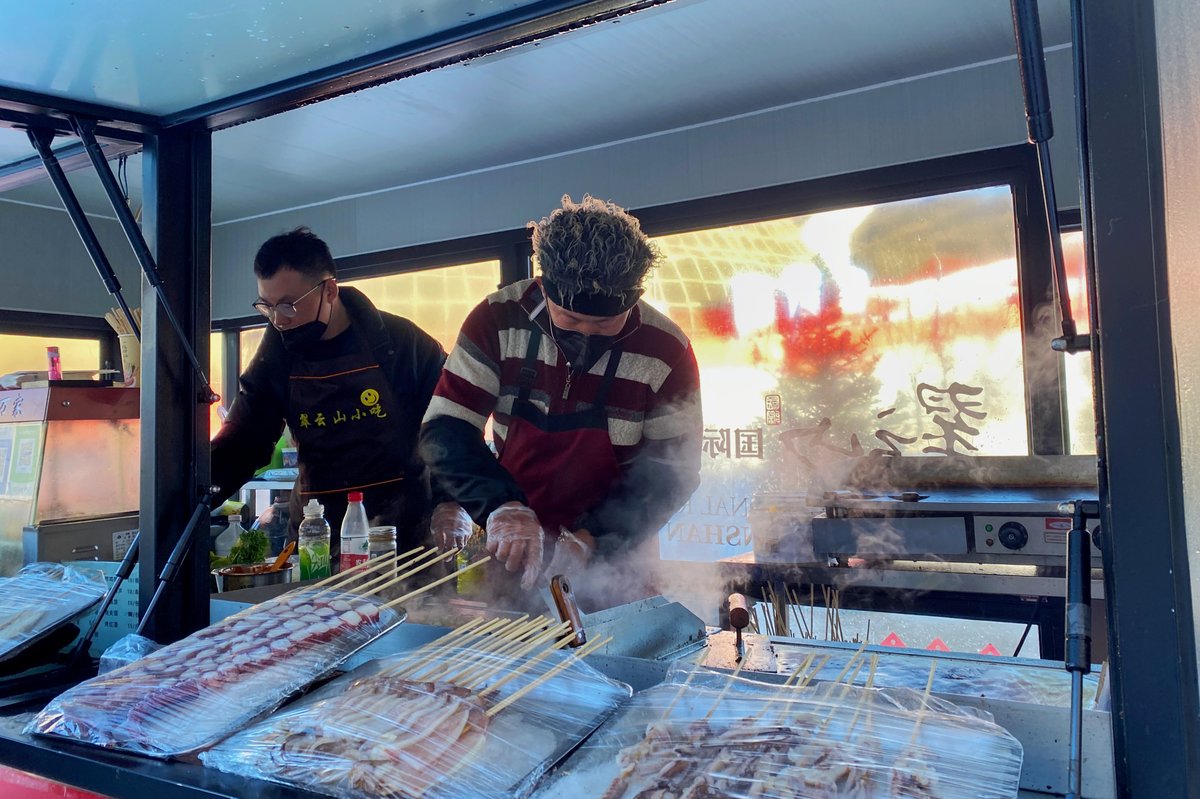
point(351, 382)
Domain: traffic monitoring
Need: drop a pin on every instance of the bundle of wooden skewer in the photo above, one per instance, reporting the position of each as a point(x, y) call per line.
point(834, 691)
point(474, 655)
point(120, 323)
point(782, 614)
point(391, 570)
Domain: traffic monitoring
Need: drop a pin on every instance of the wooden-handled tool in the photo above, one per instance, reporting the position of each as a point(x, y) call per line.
point(568, 610)
point(739, 619)
point(283, 556)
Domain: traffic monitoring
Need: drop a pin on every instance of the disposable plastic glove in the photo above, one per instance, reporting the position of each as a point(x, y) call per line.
point(572, 553)
point(450, 525)
point(515, 537)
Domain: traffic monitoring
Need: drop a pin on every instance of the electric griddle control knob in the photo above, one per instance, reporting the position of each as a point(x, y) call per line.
point(1013, 535)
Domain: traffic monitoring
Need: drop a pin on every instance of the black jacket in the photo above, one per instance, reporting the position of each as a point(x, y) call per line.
point(410, 357)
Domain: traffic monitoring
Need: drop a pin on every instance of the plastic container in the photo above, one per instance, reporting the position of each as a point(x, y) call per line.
point(354, 533)
point(381, 541)
point(314, 542)
point(54, 363)
point(229, 537)
point(275, 521)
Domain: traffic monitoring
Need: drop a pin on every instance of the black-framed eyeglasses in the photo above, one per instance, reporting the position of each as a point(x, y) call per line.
point(285, 309)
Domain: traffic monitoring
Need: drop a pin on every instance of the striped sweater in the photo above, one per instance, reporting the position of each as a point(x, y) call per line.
point(653, 411)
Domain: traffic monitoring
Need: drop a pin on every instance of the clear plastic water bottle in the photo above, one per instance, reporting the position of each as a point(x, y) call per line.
point(229, 537)
point(355, 532)
point(314, 542)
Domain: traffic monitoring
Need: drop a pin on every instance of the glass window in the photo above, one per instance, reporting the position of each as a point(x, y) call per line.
point(891, 327)
point(248, 341)
point(1081, 412)
point(437, 300)
point(216, 372)
point(20, 353)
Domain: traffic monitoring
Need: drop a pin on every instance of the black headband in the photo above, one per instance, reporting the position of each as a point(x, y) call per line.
point(592, 303)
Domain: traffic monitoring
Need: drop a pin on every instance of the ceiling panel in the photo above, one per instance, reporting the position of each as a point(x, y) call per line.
point(684, 63)
point(164, 57)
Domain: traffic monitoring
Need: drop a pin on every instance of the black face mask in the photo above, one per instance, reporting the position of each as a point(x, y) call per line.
point(580, 349)
point(300, 339)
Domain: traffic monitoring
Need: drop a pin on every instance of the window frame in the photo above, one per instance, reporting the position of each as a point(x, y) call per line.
point(39, 323)
point(1047, 426)
point(1046, 422)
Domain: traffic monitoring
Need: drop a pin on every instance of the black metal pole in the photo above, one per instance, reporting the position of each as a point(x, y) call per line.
point(1030, 59)
point(42, 141)
point(86, 131)
point(1078, 658)
point(175, 559)
point(123, 572)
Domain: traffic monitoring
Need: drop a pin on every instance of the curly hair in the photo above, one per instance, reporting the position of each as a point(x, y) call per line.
point(592, 247)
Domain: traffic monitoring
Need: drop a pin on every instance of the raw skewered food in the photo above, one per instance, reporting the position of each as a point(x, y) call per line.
point(480, 713)
point(386, 737)
point(192, 693)
point(41, 596)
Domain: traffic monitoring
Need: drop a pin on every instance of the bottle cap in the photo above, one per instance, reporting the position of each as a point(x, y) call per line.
point(355, 496)
point(314, 509)
point(235, 517)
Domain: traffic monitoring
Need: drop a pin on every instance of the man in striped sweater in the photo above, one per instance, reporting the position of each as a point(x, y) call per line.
point(594, 397)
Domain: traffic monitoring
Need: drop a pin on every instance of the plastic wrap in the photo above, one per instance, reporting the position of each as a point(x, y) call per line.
point(125, 651)
point(384, 731)
point(1033, 682)
point(704, 734)
point(194, 692)
point(39, 598)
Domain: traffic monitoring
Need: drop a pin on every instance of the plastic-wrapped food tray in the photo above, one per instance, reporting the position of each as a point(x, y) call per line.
point(703, 734)
point(42, 597)
point(382, 732)
point(192, 693)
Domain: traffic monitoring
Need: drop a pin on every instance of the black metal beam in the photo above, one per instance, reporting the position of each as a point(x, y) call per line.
point(24, 171)
point(1152, 650)
point(86, 131)
point(26, 109)
point(491, 34)
point(177, 223)
point(41, 141)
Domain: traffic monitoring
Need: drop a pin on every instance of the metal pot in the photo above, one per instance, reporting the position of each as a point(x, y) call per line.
point(233, 578)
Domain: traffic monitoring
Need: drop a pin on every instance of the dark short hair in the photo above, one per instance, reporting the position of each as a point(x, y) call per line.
point(298, 249)
point(592, 247)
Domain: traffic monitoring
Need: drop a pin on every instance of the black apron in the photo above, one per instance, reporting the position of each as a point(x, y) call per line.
point(345, 419)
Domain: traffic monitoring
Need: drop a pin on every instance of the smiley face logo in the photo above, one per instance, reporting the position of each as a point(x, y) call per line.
point(369, 397)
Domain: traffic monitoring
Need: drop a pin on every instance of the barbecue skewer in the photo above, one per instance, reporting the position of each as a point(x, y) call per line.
point(334, 582)
point(428, 586)
point(583, 651)
point(523, 649)
point(491, 646)
point(724, 690)
point(545, 653)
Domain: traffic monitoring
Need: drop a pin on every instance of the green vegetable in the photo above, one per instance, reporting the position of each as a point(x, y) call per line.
point(251, 547)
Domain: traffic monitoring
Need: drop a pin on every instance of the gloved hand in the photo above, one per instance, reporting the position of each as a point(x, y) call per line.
point(572, 553)
point(450, 525)
point(515, 536)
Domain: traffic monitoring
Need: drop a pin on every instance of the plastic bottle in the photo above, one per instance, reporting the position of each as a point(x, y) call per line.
point(354, 533)
point(314, 542)
point(229, 537)
point(54, 363)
